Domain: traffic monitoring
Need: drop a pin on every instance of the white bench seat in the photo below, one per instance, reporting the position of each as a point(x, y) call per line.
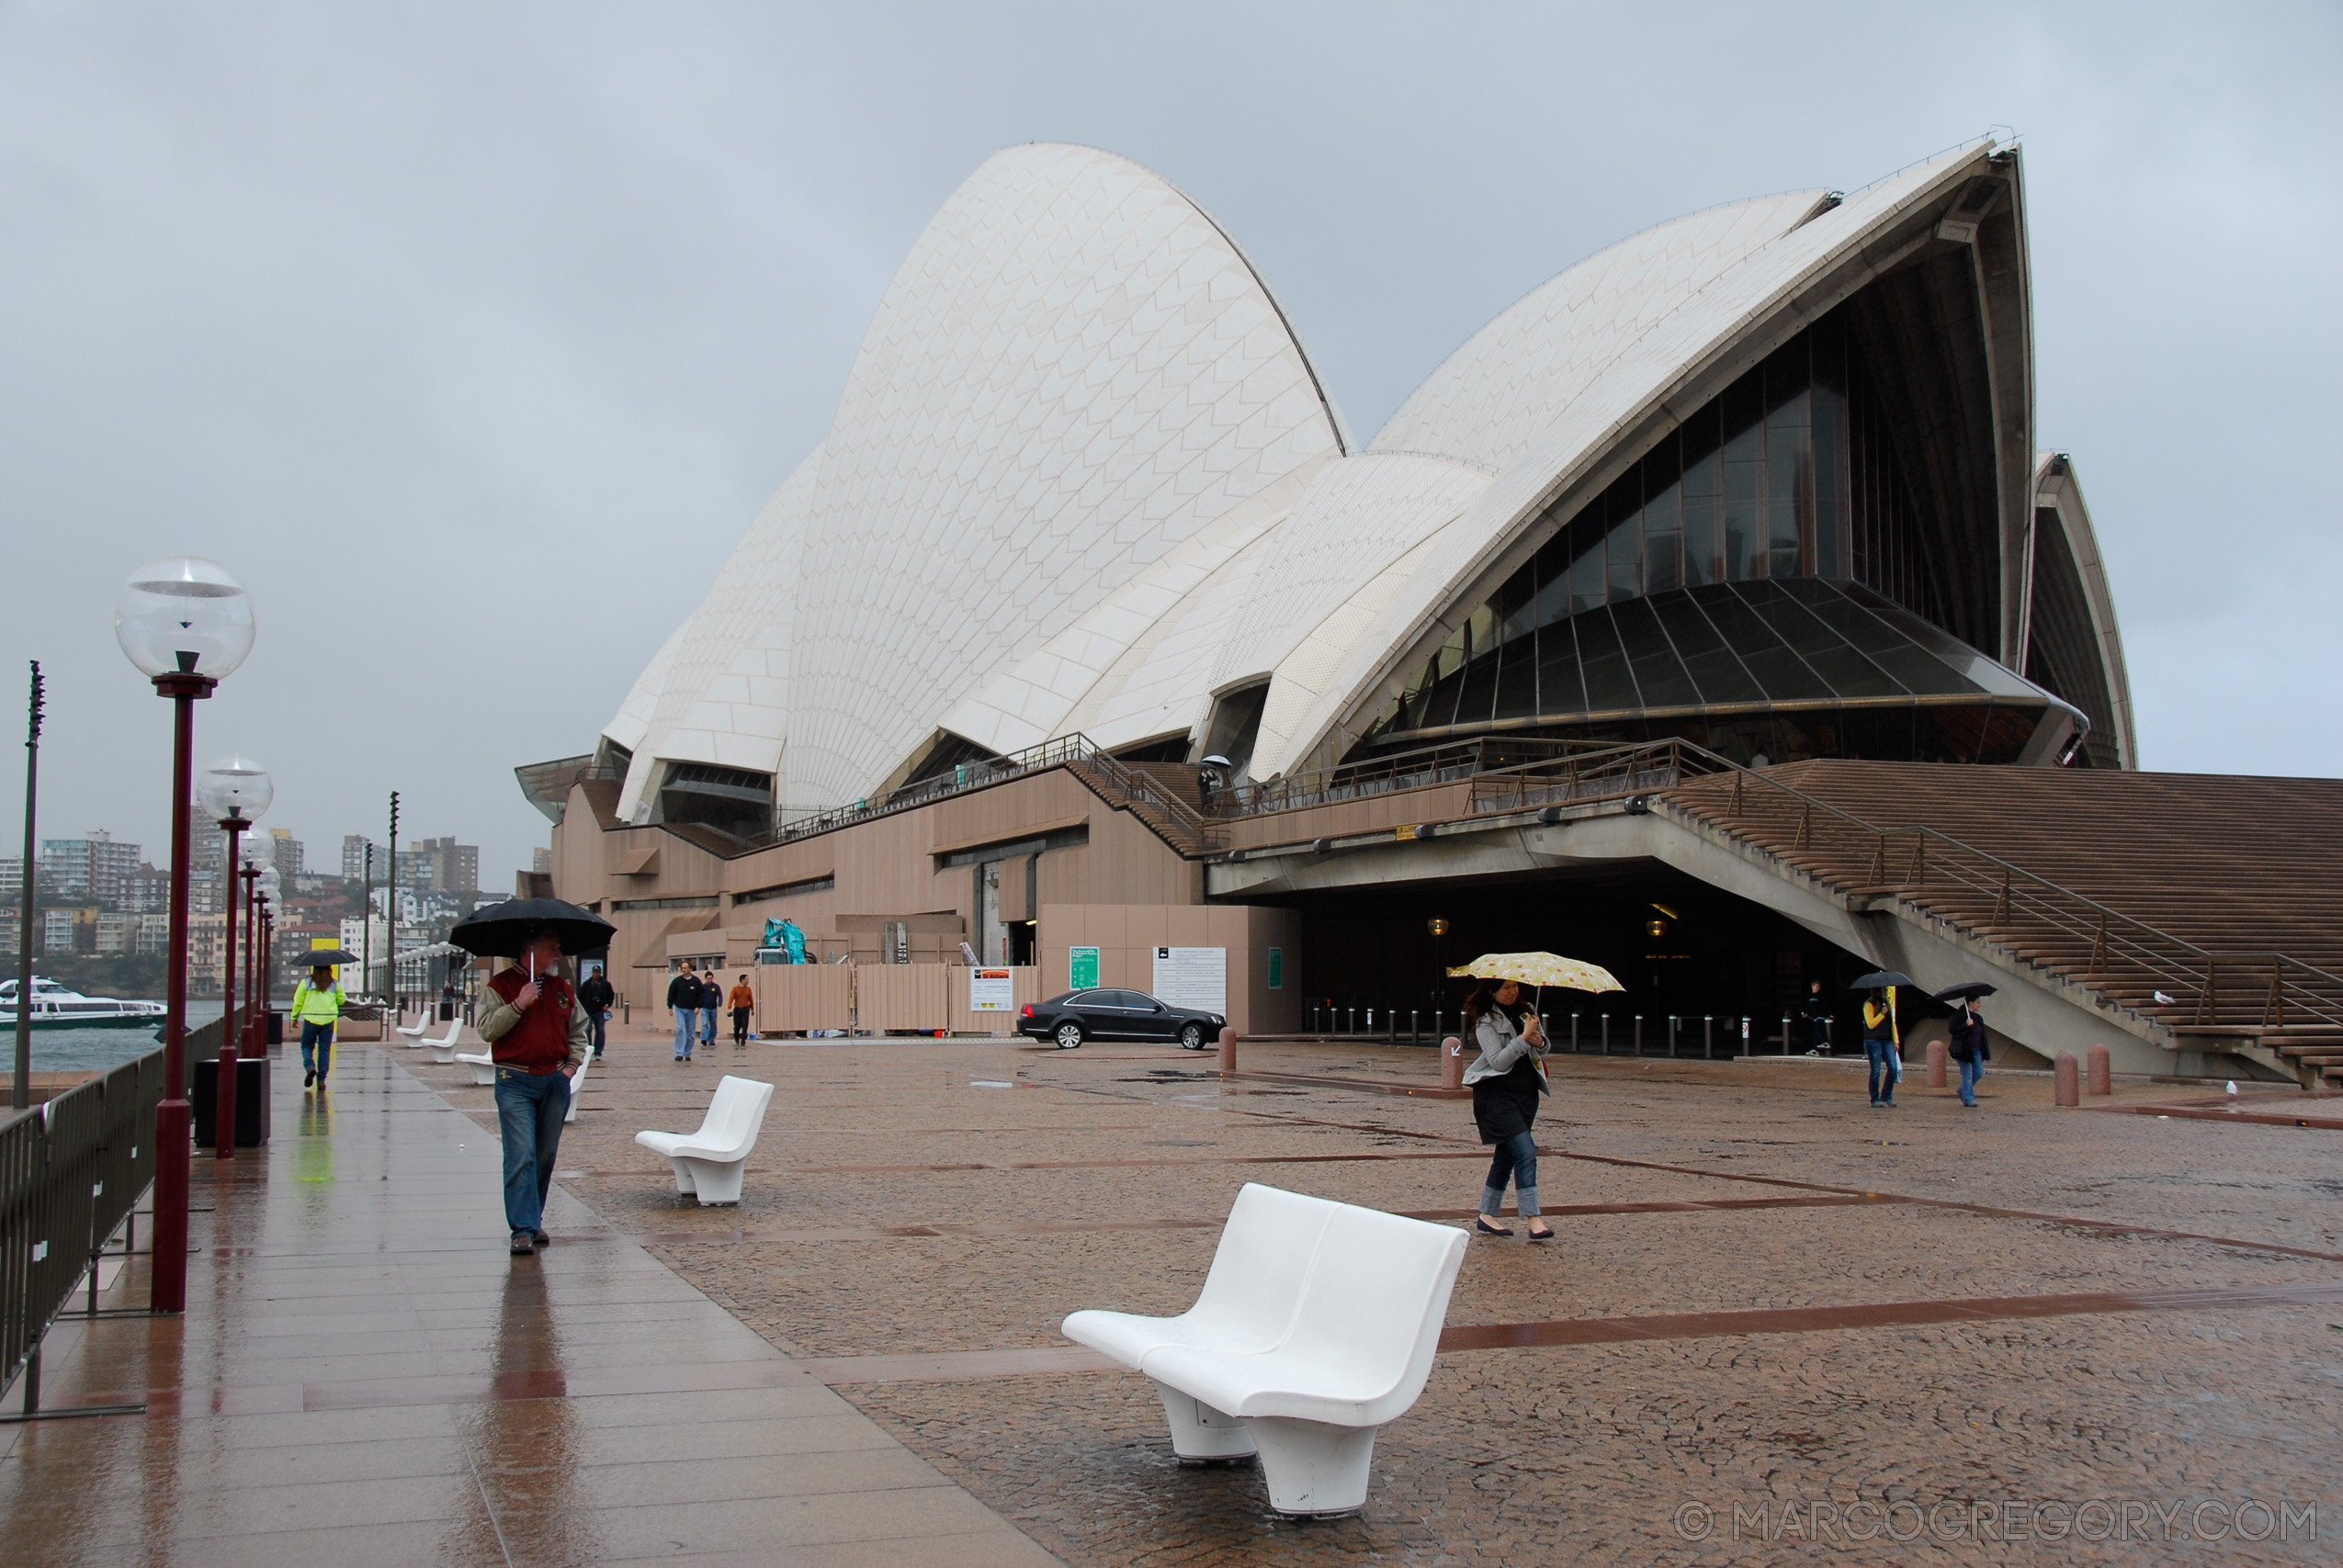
point(1316, 1326)
point(483, 1066)
point(443, 1050)
point(577, 1087)
point(711, 1163)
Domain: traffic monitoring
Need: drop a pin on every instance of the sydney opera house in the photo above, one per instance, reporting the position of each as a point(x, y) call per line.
point(1092, 630)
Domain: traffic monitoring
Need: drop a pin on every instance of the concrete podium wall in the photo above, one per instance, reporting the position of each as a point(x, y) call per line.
point(1127, 936)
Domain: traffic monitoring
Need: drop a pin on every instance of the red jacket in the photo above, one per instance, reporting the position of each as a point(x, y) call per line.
point(548, 1036)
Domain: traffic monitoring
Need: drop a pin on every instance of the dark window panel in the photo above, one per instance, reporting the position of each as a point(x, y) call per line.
point(1781, 672)
point(1610, 688)
point(1827, 653)
point(1702, 497)
point(1560, 690)
point(1517, 677)
point(1715, 667)
point(1911, 666)
point(1659, 674)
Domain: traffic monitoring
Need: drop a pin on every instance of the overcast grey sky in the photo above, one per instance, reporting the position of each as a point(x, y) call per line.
point(471, 336)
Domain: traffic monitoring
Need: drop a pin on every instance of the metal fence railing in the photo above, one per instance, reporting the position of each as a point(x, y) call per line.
point(71, 1173)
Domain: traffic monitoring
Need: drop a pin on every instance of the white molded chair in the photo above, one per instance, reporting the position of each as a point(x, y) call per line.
point(443, 1050)
point(414, 1035)
point(577, 1087)
point(1316, 1328)
point(711, 1163)
point(484, 1066)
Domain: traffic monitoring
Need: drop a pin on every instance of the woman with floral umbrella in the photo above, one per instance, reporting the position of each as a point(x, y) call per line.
point(1509, 1075)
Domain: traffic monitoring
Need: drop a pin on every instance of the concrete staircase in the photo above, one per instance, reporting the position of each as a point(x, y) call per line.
point(2207, 909)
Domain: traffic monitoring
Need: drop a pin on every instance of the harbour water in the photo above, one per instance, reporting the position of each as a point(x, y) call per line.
point(95, 1050)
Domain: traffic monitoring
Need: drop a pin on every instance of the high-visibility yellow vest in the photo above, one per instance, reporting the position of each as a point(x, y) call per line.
point(316, 1007)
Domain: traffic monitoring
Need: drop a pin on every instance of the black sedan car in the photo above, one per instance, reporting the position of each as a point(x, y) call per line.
point(1107, 1014)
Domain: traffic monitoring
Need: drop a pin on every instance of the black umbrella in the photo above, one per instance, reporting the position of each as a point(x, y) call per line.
point(1967, 990)
point(326, 957)
point(506, 930)
point(1879, 979)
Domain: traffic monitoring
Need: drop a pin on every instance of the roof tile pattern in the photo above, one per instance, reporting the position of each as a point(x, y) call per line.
point(1072, 372)
point(724, 693)
point(1505, 387)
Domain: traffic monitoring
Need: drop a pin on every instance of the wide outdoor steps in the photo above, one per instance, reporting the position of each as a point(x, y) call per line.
point(2234, 866)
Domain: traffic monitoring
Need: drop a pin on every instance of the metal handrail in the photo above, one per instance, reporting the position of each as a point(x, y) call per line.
point(1072, 752)
point(1418, 769)
point(70, 1172)
point(1902, 862)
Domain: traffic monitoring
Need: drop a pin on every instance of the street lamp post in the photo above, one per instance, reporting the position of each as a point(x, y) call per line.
point(235, 790)
point(250, 875)
point(264, 955)
point(187, 624)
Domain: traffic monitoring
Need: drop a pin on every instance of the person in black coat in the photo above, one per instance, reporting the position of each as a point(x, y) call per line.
point(1507, 1079)
point(683, 998)
point(1968, 1048)
point(597, 997)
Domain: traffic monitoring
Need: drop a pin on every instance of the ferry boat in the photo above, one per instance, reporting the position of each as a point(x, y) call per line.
point(54, 1006)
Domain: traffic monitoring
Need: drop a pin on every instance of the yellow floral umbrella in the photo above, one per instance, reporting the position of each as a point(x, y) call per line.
point(1539, 969)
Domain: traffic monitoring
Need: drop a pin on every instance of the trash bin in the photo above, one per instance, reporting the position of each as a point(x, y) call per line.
point(276, 1027)
point(252, 1103)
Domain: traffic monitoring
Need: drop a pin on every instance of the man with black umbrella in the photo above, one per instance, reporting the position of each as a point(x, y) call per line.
point(536, 1030)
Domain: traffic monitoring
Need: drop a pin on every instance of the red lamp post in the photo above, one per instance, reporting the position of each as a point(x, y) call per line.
point(235, 790)
point(186, 624)
point(252, 954)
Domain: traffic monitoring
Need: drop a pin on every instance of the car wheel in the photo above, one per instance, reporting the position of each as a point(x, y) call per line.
point(1069, 1036)
point(1192, 1037)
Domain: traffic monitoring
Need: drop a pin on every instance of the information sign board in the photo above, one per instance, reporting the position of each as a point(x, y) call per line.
point(1082, 969)
point(1192, 977)
point(992, 990)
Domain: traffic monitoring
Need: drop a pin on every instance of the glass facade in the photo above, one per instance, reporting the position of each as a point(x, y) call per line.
point(1767, 552)
point(1792, 668)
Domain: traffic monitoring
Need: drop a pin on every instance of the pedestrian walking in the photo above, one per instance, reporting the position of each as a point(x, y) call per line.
point(536, 1030)
point(742, 1001)
point(1506, 1080)
point(1818, 1021)
point(1882, 1046)
point(1968, 1048)
point(683, 999)
point(711, 1003)
point(317, 1007)
point(598, 997)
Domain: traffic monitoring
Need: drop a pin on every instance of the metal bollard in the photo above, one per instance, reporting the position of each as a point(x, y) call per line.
point(1785, 1033)
point(1415, 1026)
point(1227, 1050)
point(1639, 1034)
point(1350, 1021)
point(1671, 1036)
point(2103, 1071)
point(1939, 1053)
point(1708, 1037)
point(1452, 1063)
point(2068, 1070)
point(1606, 1034)
point(1574, 1034)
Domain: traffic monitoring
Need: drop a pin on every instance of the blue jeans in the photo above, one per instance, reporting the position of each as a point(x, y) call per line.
point(1516, 1158)
point(707, 1026)
point(1882, 1070)
point(1970, 1072)
point(597, 1022)
point(683, 1032)
point(529, 1109)
point(317, 1048)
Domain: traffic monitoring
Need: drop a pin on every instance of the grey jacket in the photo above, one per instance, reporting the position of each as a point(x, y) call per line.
point(1501, 1049)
